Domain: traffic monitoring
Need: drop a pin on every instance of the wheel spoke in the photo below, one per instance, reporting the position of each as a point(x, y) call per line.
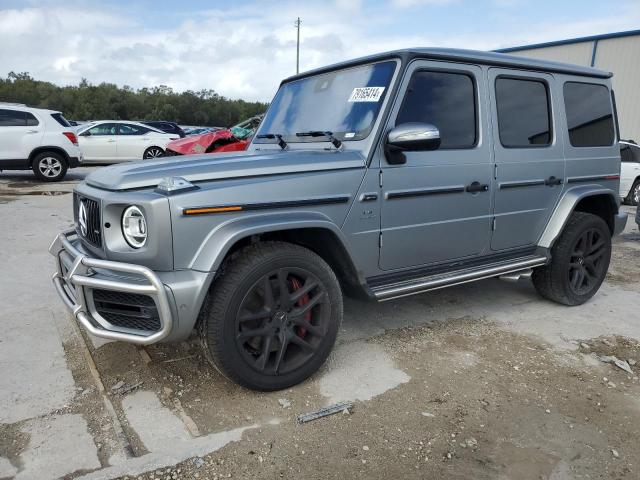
point(596, 246)
point(577, 278)
point(316, 330)
point(255, 332)
point(297, 312)
point(295, 339)
point(283, 283)
point(302, 291)
point(284, 343)
point(259, 315)
point(591, 259)
point(269, 299)
point(261, 361)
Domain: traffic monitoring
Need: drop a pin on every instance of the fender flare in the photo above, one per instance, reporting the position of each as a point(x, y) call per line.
point(221, 239)
point(565, 208)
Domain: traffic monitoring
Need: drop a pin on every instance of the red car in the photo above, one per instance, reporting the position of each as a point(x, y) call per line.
point(232, 139)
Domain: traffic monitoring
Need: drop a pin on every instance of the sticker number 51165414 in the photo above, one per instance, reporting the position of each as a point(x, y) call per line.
point(366, 94)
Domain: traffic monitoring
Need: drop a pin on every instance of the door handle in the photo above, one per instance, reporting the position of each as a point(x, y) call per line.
point(32, 131)
point(110, 141)
point(551, 181)
point(475, 187)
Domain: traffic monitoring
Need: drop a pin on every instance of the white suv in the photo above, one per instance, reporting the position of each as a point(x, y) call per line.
point(37, 139)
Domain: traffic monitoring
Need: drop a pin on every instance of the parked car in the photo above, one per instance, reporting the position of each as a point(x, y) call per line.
point(630, 172)
point(166, 127)
point(386, 176)
point(37, 139)
point(113, 141)
point(233, 139)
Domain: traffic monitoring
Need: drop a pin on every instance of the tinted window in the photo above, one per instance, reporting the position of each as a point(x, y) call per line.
point(104, 129)
point(523, 112)
point(31, 120)
point(60, 119)
point(589, 114)
point(127, 129)
point(446, 100)
point(629, 153)
point(12, 118)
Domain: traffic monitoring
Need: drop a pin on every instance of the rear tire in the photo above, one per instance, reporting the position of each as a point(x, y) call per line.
point(49, 167)
point(271, 319)
point(579, 261)
point(633, 197)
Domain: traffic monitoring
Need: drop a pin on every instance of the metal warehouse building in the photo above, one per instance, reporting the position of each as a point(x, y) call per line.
point(615, 52)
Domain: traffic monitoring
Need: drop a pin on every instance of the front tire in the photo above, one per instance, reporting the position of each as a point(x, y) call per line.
point(152, 152)
point(579, 261)
point(271, 319)
point(49, 167)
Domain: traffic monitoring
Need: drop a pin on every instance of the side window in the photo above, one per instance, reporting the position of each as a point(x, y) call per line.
point(589, 114)
point(524, 118)
point(446, 100)
point(127, 129)
point(12, 118)
point(104, 129)
point(32, 121)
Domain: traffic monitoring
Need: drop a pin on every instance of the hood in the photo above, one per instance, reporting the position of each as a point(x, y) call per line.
point(198, 143)
point(200, 168)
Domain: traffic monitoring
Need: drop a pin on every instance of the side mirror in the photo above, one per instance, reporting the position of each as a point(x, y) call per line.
point(86, 133)
point(410, 137)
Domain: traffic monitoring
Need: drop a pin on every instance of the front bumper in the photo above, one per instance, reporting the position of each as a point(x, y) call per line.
point(78, 275)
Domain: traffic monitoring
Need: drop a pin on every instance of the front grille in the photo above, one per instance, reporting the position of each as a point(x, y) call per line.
point(128, 310)
point(93, 235)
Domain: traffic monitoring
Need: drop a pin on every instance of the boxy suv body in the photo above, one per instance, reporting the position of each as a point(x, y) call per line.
point(37, 139)
point(385, 176)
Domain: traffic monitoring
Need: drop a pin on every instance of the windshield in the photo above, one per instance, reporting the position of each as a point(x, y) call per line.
point(345, 102)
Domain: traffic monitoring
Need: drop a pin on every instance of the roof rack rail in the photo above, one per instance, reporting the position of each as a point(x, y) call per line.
point(14, 104)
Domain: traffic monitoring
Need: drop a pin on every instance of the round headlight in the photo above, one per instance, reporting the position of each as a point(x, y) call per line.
point(134, 227)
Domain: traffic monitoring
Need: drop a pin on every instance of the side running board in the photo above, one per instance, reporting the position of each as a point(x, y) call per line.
point(456, 277)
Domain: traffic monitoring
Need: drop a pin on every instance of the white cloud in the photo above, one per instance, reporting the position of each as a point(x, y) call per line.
point(420, 3)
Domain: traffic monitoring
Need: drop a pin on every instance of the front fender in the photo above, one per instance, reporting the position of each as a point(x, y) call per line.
point(217, 244)
point(567, 205)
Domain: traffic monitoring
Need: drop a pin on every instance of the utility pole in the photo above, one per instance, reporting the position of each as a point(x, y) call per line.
point(297, 24)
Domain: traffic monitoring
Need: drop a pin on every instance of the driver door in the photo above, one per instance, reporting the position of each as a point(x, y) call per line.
point(436, 207)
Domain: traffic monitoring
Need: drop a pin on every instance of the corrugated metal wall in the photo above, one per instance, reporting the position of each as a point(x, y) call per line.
point(618, 55)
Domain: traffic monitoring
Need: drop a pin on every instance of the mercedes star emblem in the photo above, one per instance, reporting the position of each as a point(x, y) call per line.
point(82, 219)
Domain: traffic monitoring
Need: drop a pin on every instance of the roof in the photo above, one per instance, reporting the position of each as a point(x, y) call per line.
point(467, 56)
point(591, 38)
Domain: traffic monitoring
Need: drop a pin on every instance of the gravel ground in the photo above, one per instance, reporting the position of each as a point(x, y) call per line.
point(480, 381)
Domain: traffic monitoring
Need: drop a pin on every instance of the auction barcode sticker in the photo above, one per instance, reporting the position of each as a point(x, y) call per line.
point(366, 94)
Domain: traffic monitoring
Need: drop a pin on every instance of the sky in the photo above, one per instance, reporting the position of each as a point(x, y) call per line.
point(244, 49)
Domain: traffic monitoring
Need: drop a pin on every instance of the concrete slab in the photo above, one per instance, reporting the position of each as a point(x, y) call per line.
point(58, 446)
point(369, 364)
point(164, 435)
point(35, 377)
point(7, 470)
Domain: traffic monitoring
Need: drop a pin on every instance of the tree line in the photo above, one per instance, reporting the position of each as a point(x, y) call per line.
point(108, 101)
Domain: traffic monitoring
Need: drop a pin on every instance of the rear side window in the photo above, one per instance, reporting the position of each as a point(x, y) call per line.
point(589, 114)
point(31, 121)
point(15, 118)
point(127, 129)
point(446, 100)
point(60, 119)
point(524, 118)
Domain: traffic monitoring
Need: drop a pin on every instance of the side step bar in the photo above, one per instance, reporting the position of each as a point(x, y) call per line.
point(434, 282)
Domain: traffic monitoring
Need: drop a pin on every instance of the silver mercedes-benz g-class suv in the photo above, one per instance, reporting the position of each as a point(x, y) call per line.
point(387, 176)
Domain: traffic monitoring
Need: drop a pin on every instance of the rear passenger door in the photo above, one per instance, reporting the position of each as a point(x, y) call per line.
point(20, 133)
point(436, 207)
point(529, 159)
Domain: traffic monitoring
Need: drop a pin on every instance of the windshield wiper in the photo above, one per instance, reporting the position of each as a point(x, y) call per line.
point(319, 133)
point(275, 136)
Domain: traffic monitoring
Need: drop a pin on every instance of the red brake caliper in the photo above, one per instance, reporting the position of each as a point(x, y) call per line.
point(296, 285)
